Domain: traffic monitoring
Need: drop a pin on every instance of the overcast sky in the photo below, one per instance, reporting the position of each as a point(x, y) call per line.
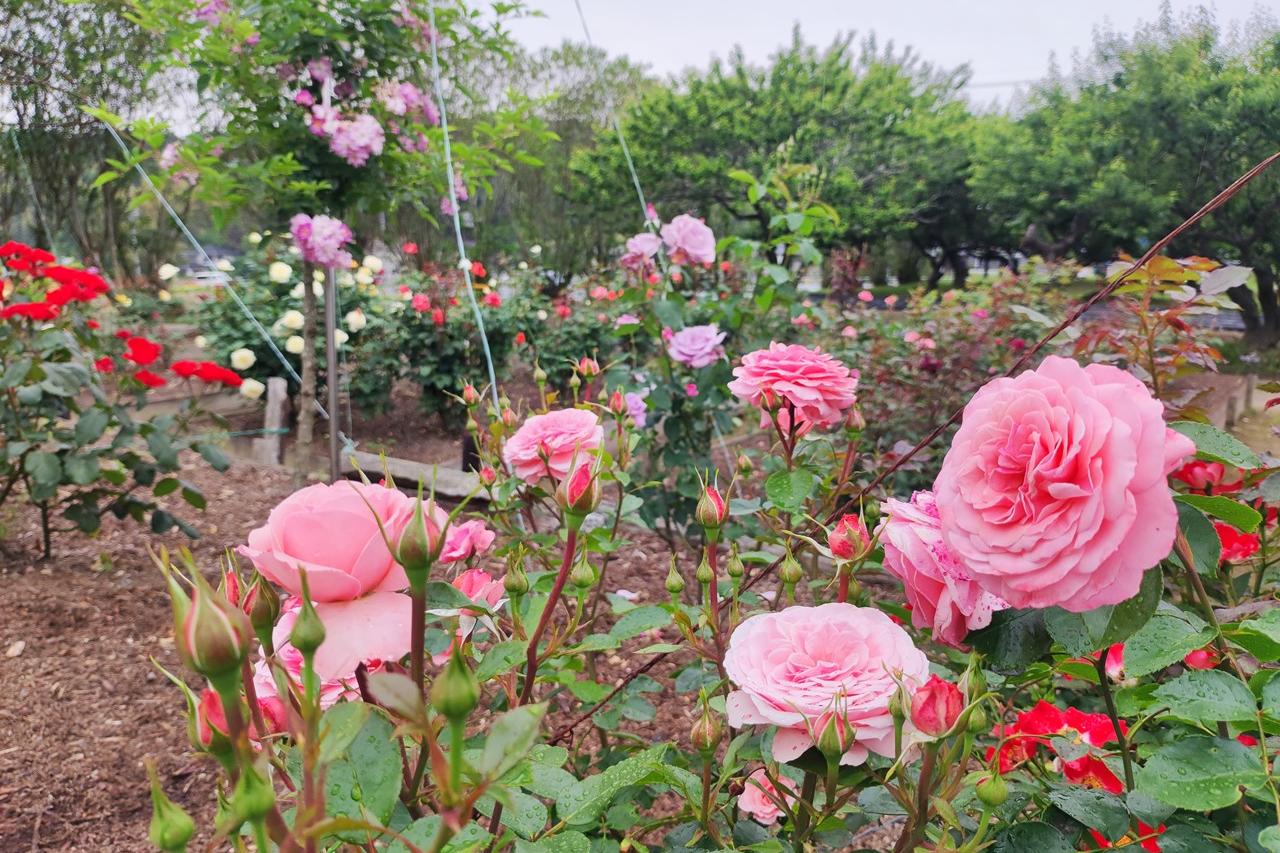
point(1003, 41)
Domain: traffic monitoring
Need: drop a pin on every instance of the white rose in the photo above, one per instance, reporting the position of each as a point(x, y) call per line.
point(294, 250)
point(164, 295)
point(340, 337)
point(318, 289)
point(201, 341)
point(243, 359)
point(373, 263)
point(252, 389)
point(224, 265)
point(346, 279)
point(523, 265)
point(293, 319)
point(317, 275)
point(364, 276)
point(296, 292)
point(279, 272)
point(356, 320)
point(294, 344)
point(254, 239)
point(167, 271)
point(535, 250)
point(542, 315)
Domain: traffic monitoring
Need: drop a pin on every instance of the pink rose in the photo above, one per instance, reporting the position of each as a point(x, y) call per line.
point(817, 386)
point(320, 239)
point(696, 346)
point(466, 540)
point(640, 251)
point(759, 798)
point(942, 594)
point(331, 532)
point(799, 667)
point(545, 445)
point(482, 588)
point(356, 140)
point(636, 408)
point(689, 241)
point(1053, 491)
point(369, 630)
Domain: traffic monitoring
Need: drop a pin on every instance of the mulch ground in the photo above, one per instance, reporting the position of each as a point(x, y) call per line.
point(83, 705)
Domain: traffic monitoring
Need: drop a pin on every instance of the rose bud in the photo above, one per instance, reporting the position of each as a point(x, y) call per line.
point(583, 575)
point(849, 539)
point(516, 583)
point(675, 583)
point(707, 730)
point(733, 567)
point(574, 382)
point(470, 396)
point(488, 476)
point(215, 636)
point(253, 797)
point(420, 543)
point(588, 367)
point(208, 730)
point(791, 572)
point(712, 510)
point(509, 419)
point(704, 574)
point(745, 467)
point(993, 791)
point(1206, 658)
point(578, 494)
point(455, 692)
point(539, 376)
point(835, 738)
point(617, 403)
point(264, 610)
point(308, 631)
point(171, 827)
point(936, 706)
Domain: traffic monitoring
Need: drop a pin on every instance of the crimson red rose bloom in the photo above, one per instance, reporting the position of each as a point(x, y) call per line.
point(31, 310)
point(142, 351)
point(149, 379)
point(185, 369)
point(105, 364)
point(1236, 546)
point(210, 372)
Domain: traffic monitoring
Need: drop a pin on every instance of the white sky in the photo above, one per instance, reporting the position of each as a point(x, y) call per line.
point(1002, 40)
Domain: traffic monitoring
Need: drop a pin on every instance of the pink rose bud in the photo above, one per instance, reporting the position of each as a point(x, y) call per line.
point(215, 635)
point(1206, 658)
point(936, 706)
point(691, 389)
point(712, 510)
point(849, 539)
point(617, 403)
point(470, 395)
point(509, 419)
point(420, 543)
point(488, 476)
point(579, 493)
point(588, 367)
point(211, 732)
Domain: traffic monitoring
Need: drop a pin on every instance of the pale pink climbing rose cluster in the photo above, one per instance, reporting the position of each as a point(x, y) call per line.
point(320, 239)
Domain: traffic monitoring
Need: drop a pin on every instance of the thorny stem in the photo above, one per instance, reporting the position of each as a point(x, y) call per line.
point(418, 628)
point(531, 659)
point(804, 810)
point(924, 787)
point(1104, 686)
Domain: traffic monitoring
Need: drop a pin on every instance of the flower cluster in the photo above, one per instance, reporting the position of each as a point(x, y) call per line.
point(320, 240)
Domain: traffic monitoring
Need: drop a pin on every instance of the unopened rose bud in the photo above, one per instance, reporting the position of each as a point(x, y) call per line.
point(455, 692)
point(707, 730)
point(855, 420)
point(745, 467)
point(509, 419)
point(308, 631)
point(539, 376)
point(171, 827)
point(253, 797)
point(617, 403)
point(516, 583)
point(264, 609)
point(420, 543)
point(574, 382)
point(488, 476)
point(588, 367)
point(712, 510)
point(834, 738)
point(993, 791)
point(583, 575)
point(578, 494)
point(733, 567)
point(470, 396)
point(675, 583)
point(849, 539)
point(216, 636)
point(978, 721)
point(936, 706)
point(790, 571)
point(704, 574)
point(208, 725)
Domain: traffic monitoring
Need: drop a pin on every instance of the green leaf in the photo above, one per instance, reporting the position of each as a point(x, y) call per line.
point(788, 490)
point(1183, 839)
point(339, 727)
point(1238, 515)
point(587, 799)
point(363, 782)
point(81, 469)
point(1014, 640)
point(597, 643)
point(167, 486)
point(1214, 444)
point(562, 842)
point(641, 619)
point(500, 658)
point(509, 739)
point(213, 455)
point(1200, 773)
point(1095, 809)
point(44, 468)
point(1259, 636)
point(16, 373)
point(422, 834)
point(1033, 835)
point(1202, 536)
point(91, 425)
point(446, 596)
point(1269, 839)
point(1207, 696)
point(1096, 630)
point(524, 814)
point(1169, 636)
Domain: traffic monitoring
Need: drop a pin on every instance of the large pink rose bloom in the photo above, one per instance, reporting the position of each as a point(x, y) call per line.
point(1054, 490)
point(697, 346)
point(796, 668)
point(818, 386)
point(369, 630)
point(640, 251)
point(689, 241)
point(545, 445)
point(331, 533)
point(942, 594)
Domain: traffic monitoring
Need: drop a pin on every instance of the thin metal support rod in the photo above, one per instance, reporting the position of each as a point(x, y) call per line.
point(331, 371)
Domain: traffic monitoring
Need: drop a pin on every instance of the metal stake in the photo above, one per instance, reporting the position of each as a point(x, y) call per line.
point(331, 370)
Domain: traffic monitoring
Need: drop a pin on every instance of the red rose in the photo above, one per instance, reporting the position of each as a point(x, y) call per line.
point(149, 379)
point(142, 351)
